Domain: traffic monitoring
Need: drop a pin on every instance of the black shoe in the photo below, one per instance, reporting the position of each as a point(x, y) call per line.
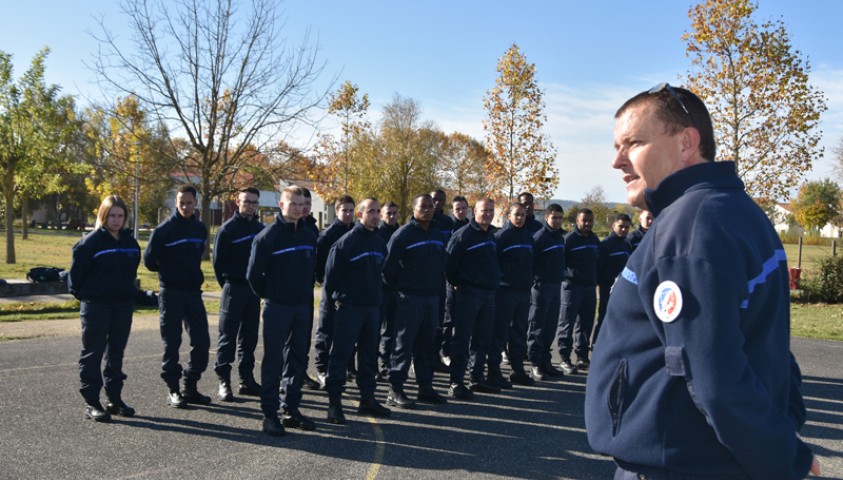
point(519, 377)
point(370, 406)
point(383, 374)
point(95, 412)
point(249, 387)
point(483, 387)
point(224, 391)
point(567, 366)
point(552, 371)
point(311, 383)
point(583, 364)
point(459, 390)
point(176, 400)
point(119, 407)
point(335, 414)
point(322, 378)
point(351, 376)
point(271, 426)
point(191, 395)
point(538, 374)
point(297, 420)
point(504, 358)
point(446, 360)
point(397, 398)
point(496, 380)
point(429, 395)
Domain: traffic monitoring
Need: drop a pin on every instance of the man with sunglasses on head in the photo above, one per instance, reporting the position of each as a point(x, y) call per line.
point(693, 377)
point(239, 306)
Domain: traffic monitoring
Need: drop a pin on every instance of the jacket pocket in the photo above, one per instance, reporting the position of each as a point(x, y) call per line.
point(617, 396)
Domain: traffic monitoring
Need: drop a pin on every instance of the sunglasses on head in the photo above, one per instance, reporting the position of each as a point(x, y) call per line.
point(664, 86)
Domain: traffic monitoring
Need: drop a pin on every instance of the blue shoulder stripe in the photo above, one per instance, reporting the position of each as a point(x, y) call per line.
point(366, 254)
point(770, 266)
point(184, 240)
point(292, 249)
point(480, 245)
point(629, 275)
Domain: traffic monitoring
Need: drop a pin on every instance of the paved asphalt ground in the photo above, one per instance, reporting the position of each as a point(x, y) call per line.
point(530, 432)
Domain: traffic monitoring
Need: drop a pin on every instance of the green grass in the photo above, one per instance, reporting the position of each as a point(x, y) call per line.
point(18, 312)
point(816, 321)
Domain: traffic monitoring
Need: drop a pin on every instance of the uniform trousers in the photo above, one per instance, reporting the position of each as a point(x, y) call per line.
point(177, 307)
point(544, 319)
point(360, 326)
point(238, 327)
point(474, 316)
point(285, 332)
point(577, 319)
point(512, 307)
point(415, 339)
point(105, 332)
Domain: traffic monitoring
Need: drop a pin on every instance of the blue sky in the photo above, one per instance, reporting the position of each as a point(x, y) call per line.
point(590, 56)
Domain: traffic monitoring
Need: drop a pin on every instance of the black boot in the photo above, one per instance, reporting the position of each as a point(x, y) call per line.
point(370, 406)
point(248, 386)
point(95, 412)
point(397, 398)
point(191, 394)
point(116, 406)
point(224, 391)
point(272, 426)
point(335, 414)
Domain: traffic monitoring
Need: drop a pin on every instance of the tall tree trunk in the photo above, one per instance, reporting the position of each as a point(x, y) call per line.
point(9, 194)
point(24, 217)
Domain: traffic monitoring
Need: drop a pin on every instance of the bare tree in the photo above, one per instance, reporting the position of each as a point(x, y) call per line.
point(225, 80)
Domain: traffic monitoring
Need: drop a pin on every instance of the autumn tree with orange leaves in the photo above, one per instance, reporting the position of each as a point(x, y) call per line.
point(521, 157)
point(756, 86)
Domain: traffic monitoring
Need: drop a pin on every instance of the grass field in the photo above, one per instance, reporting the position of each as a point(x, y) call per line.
point(53, 249)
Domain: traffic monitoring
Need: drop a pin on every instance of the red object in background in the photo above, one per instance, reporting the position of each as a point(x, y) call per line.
point(795, 273)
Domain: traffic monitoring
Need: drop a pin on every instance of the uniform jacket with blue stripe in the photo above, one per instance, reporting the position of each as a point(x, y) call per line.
point(532, 225)
point(415, 263)
point(281, 262)
point(175, 252)
point(472, 258)
point(705, 386)
point(611, 258)
point(445, 224)
point(515, 256)
point(634, 238)
point(581, 258)
point(549, 255)
point(232, 247)
point(326, 240)
point(353, 272)
point(103, 268)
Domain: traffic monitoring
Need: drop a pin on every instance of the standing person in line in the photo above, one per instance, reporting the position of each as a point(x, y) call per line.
point(694, 377)
point(387, 227)
point(344, 209)
point(281, 267)
point(239, 306)
point(445, 224)
point(645, 219)
point(611, 258)
point(414, 268)
point(309, 382)
point(353, 281)
point(175, 252)
point(459, 216)
point(102, 276)
point(472, 268)
point(548, 273)
point(579, 294)
point(531, 224)
point(512, 299)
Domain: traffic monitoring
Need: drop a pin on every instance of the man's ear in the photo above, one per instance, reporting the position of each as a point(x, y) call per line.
point(690, 144)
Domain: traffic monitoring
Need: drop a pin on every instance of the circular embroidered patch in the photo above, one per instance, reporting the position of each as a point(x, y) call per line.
point(667, 301)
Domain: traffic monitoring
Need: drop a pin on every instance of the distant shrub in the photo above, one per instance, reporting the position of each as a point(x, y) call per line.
point(826, 285)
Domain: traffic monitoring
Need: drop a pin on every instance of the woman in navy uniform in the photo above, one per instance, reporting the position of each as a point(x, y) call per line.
point(102, 275)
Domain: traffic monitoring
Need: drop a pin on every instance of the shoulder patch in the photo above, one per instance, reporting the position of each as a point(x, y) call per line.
point(667, 301)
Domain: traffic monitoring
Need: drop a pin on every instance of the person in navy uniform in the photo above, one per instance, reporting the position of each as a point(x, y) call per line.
point(529, 202)
point(548, 273)
point(459, 216)
point(102, 276)
point(645, 219)
point(579, 294)
point(388, 226)
point(342, 224)
point(175, 252)
point(611, 258)
point(280, 270)
point(693, 376)
point(239, 306)
point(353, 281)
point(512, 299)
point(309, 382)
point(414, 268)
point(472, 269)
